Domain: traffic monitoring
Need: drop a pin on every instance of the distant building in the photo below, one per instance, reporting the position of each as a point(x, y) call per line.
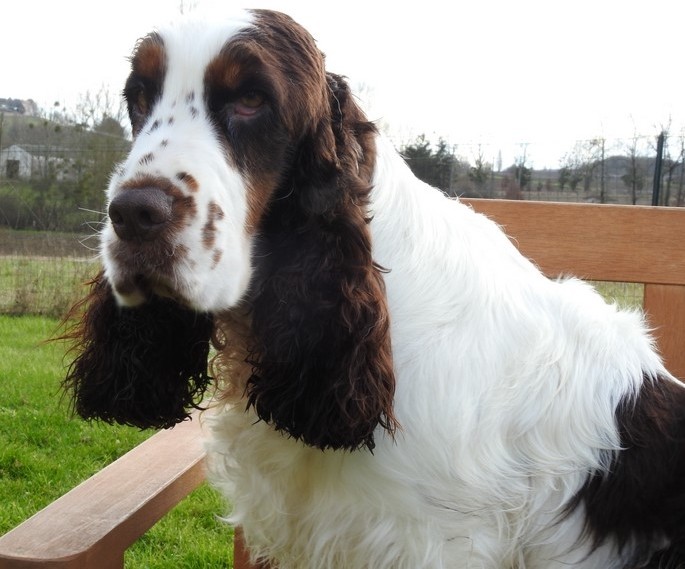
point(15, 163)
point(27, 107)
point(22, 162)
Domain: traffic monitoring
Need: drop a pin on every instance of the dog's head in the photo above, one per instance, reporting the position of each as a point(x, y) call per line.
point(247, 185)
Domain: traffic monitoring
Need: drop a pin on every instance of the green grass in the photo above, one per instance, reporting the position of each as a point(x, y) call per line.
point(190, 536)
point(625, 295)
point(44, 452)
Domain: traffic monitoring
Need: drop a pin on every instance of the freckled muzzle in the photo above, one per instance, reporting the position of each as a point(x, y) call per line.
point(147, 216)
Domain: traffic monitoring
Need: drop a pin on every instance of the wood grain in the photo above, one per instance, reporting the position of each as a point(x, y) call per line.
point(597, 242)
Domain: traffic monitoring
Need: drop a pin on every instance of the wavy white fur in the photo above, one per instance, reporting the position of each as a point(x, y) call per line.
point(507, 386)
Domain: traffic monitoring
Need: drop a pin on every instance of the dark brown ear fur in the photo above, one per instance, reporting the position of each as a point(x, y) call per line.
point(322, 357)
point(139, 366)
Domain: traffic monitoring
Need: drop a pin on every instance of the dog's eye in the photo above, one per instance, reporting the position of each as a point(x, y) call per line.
point(141, 103)
point(140, 99)
point(249, 103)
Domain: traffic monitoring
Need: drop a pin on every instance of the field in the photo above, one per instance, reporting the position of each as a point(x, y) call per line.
point(42, 285)
point(44, 452)
point(43, 272)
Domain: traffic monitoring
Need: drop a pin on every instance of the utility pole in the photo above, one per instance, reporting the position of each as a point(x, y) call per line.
point(602, 184)
point(2, 122)
point(656, 186)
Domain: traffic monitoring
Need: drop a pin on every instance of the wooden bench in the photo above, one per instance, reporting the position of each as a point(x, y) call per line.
point(92, 526)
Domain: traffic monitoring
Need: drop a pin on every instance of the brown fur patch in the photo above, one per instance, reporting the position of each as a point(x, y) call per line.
point(149, 59)
point(279, 60)
point(147, 159)
point(640, 500)
point(258, 197)
point(230, 367)
point(214, 214)
point(190, 182)
point(216, 257)
point(226, 75)
point(144, 84)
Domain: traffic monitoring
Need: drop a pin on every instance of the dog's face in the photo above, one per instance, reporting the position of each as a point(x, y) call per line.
point(248, 183)
point(217, 113)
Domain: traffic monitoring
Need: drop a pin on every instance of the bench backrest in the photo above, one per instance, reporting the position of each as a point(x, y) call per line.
point(609, 243)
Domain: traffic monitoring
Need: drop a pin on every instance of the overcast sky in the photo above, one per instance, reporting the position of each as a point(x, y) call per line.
point(492, 71)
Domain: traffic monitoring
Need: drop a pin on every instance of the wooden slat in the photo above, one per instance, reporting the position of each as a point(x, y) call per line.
point(665, 307)
point(596, 242)
point(241, 555)
point(92, 526)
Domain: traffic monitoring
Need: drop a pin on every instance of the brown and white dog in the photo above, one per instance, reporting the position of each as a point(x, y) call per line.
point(395, 385)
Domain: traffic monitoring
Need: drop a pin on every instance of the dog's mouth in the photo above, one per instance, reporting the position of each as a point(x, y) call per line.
point(142, 271)
point(139, 288)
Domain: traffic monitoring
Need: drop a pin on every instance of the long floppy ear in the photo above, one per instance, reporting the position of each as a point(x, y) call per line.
point(141, 366)
point(322, 358)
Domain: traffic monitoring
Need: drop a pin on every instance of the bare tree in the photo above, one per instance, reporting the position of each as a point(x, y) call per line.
point(634, 178)
point(186, 6)
point(522, 172)
point(480, 172)
point(94, 107)
point(600, 146)
point(570, 169)
point(580, 164)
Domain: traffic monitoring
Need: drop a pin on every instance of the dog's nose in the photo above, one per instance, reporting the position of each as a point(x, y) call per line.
point(140, 214)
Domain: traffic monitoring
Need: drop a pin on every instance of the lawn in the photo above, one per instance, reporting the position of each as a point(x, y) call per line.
point(44, 452)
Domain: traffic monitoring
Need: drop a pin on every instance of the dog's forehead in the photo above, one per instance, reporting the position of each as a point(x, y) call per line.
point(191, 42)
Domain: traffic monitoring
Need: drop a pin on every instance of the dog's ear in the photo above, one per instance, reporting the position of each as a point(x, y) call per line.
point(322, 359)
point(143, 366)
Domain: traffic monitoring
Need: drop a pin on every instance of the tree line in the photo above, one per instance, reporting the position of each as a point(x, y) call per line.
point(72, 154)
point(597, 170)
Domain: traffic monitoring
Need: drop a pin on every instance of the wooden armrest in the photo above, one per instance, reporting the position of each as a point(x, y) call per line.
point(93, 524)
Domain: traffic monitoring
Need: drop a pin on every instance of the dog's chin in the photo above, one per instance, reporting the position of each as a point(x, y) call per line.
point(130, 299)
point(139, 290)
point(134, 290)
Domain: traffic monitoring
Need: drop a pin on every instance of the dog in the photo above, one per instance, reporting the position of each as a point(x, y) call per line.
point(394, 385)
